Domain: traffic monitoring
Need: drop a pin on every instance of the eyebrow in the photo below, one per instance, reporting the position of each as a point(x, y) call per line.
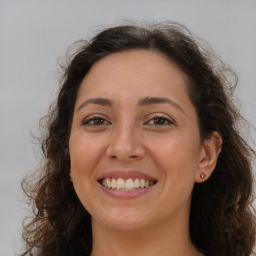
point(159, 100)
point(142, 102)
point(97, 101)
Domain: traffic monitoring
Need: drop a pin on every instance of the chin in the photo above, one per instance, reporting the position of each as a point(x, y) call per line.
point(123, 221)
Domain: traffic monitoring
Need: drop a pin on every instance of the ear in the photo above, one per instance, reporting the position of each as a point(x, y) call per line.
point(210, 151)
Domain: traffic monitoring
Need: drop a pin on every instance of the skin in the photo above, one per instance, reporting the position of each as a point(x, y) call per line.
point(127, 135)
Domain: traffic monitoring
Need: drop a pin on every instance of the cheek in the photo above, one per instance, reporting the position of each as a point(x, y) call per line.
point(176, 156)
point(85, 153)
point(84, 156)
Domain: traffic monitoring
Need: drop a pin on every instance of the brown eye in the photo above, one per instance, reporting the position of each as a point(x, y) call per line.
point(159, 121)
point(96, 121)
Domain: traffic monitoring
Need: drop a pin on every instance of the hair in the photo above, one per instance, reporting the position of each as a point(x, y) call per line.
point(221, 217)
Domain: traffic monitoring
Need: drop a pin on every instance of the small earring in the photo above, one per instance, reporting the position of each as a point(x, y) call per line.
point(202, 175)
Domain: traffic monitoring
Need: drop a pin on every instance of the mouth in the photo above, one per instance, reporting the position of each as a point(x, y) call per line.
point(128, 184)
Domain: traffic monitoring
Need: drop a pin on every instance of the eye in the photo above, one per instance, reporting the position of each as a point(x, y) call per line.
point(95, 121)
point(160, 120)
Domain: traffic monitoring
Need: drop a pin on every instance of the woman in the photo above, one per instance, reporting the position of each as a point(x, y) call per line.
point(141, 153)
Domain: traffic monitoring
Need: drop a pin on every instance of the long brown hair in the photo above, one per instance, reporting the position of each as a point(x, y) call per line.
point(221, 219)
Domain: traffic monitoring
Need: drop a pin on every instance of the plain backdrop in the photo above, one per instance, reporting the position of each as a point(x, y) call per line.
point(34, 34)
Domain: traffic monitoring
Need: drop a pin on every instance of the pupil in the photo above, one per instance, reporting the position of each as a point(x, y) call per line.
point(98, 121)
point(159, 121)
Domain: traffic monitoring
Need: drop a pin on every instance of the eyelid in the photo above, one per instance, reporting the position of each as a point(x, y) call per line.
point(160, 115)
point(93, 117)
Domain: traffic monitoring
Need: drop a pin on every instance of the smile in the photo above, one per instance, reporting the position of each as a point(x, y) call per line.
point(126, 184)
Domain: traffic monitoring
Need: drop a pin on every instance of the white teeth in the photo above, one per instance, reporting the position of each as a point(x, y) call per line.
point(120, 183)
point(126, 185)
point(142, 183)
point(113, 183)
point(129, 184)
point(137, 183)
point(108, 183)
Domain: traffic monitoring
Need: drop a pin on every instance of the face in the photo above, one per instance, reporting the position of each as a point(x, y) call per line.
point(134, 145)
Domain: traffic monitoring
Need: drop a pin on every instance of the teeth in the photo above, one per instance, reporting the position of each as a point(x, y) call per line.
point(108, 183)
point(113, 183)
point(126, 185)
point(151, 182)
point(137, 183)
point(129, 184)
point(142, 183)
point(120, 184)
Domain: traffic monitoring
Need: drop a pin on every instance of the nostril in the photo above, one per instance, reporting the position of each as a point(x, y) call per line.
point(125, 150)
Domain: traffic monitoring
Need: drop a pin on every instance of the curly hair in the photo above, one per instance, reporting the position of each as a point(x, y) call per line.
point(222, 220)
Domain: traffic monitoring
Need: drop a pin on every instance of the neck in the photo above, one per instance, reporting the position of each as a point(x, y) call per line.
point(165, 239)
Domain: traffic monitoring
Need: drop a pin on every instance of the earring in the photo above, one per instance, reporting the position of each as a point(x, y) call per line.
point(202, 175)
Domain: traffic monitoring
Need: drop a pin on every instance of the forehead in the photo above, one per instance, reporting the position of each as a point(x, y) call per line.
point(134, 71)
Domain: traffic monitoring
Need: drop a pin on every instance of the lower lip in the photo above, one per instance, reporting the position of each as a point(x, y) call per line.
point(120, 194)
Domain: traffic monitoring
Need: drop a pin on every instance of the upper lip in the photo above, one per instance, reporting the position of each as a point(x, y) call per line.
point(126, 174)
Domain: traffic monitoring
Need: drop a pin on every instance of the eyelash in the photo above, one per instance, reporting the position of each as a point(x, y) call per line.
point(99, 121)
point(163, 120)
point(90, 121)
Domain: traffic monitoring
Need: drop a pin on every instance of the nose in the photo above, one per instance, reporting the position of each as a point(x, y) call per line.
point(125, 145)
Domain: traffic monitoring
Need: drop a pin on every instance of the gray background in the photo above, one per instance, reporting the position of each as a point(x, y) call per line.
point(34, 34)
